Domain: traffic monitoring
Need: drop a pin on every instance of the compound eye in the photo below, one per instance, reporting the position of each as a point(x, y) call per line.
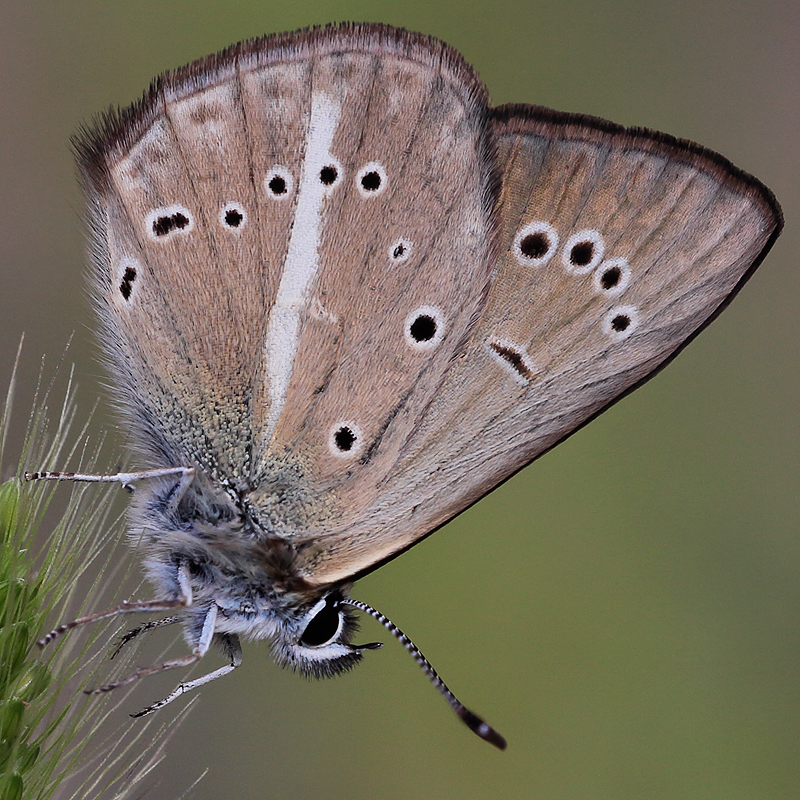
point(324, 626)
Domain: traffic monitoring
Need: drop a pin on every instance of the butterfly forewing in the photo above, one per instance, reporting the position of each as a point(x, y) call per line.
point(292, 243)
point(616, 248)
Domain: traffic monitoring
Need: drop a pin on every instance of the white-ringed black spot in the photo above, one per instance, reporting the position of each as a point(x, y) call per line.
point(278, 183)
point(583, 251)
point(514, 358)
point(169, 222)
point(400, 251)
point(371, 179)
point(371, 182)
point(232, 216)
point(620, 322)
point(328, 175)
point(535, 244)
point(162, 222)
point(126, 285)
point(424, 328)
point(612, 277)
point(609, 278)
point(344, 440)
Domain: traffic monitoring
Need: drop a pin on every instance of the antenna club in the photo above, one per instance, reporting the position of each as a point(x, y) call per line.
point(482, 728)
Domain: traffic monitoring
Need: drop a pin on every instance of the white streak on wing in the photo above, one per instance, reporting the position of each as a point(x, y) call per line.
point(301, 257)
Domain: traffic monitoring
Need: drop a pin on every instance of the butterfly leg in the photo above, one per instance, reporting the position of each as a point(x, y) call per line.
point(145, 606)
point(233, 650)
point(143, 628)
point(125, 479)
point(200, 649)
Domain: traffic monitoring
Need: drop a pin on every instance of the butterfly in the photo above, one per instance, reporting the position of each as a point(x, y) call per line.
point(342, 298)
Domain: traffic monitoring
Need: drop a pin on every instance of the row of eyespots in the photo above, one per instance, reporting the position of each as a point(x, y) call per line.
point(371, 180)
point(163, 222)
point(423, 330)
point(536, 244)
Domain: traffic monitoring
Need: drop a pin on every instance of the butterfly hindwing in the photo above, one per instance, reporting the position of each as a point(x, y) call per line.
point(616, 248)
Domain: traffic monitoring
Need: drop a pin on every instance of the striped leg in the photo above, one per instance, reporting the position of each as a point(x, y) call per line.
point(125, 479)
point(152, 606)
point(234, 652)
point(200, 649)
point(143, 628)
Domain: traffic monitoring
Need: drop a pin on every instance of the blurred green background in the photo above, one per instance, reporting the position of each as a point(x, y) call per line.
point(627, 610)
